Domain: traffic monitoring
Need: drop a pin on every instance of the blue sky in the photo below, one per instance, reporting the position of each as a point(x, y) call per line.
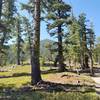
point(90, 7)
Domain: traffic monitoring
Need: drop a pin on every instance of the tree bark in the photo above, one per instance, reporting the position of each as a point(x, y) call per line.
point(60, 47)
point(18, 50)
point(60, 50)
point(18, 43)
point(85, 57)
point(0, 8)
point(91, 66)
point(91, 52)
point(35, 64)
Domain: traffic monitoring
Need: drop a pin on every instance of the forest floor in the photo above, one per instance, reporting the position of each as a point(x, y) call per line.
point(96, 79)
point(15, 82)
point(97, 84)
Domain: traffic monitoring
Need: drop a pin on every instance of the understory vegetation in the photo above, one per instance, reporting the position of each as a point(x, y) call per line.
point(15, 84)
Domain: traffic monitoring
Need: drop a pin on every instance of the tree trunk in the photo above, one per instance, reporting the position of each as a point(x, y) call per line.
point(1, 27)
point(18, 42)
point(91, 52)
point(18, 50)
point(35, 64)
point(91, 66)
point(30, 44)
point(60, 47)
point(84, 51)
point(0, 8)
point(60, 50)
point(86, 60)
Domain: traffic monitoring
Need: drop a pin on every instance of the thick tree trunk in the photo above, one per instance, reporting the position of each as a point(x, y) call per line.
point(0, 8)
point(91, 53)
point(35, 64)
point(18, 42)
point(91, 66)
point(60, 47)
point(1, 28)
point(60, 50)
point(18, 50)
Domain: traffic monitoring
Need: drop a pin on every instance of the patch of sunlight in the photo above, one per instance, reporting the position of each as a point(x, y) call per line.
point(15, 81)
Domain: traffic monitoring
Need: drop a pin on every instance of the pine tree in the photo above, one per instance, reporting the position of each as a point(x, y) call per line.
point(19, 41)
point(28, 32)
point(72, 41)
point(35, 63)
point(83, 41)
point(97, 51)
point(0, 8)
point(58, 14)
point(91, 39)
point(33, 7)
point(6, 22)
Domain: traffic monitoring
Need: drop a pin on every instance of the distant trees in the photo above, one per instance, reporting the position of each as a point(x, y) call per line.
point(28, 34)
point(83, 41)
point(72, 42)
point(0, 8)
point(49, 56)
point(97, 51)
point(87, 37)
point(80, 42)
point(91, 40)
point(7, 10)
point(19, 39)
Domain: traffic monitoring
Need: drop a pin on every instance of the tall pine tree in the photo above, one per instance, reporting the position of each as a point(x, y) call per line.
point(58, 14)
point(83, 41)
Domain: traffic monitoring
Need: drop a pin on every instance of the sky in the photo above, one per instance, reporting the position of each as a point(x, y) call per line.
point(90, 7)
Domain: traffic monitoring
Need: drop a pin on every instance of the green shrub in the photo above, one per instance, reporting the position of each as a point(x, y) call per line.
point(54, 96)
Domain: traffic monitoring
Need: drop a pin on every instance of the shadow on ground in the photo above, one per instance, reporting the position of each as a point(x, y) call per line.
point(16, 75)
point(42, 90)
